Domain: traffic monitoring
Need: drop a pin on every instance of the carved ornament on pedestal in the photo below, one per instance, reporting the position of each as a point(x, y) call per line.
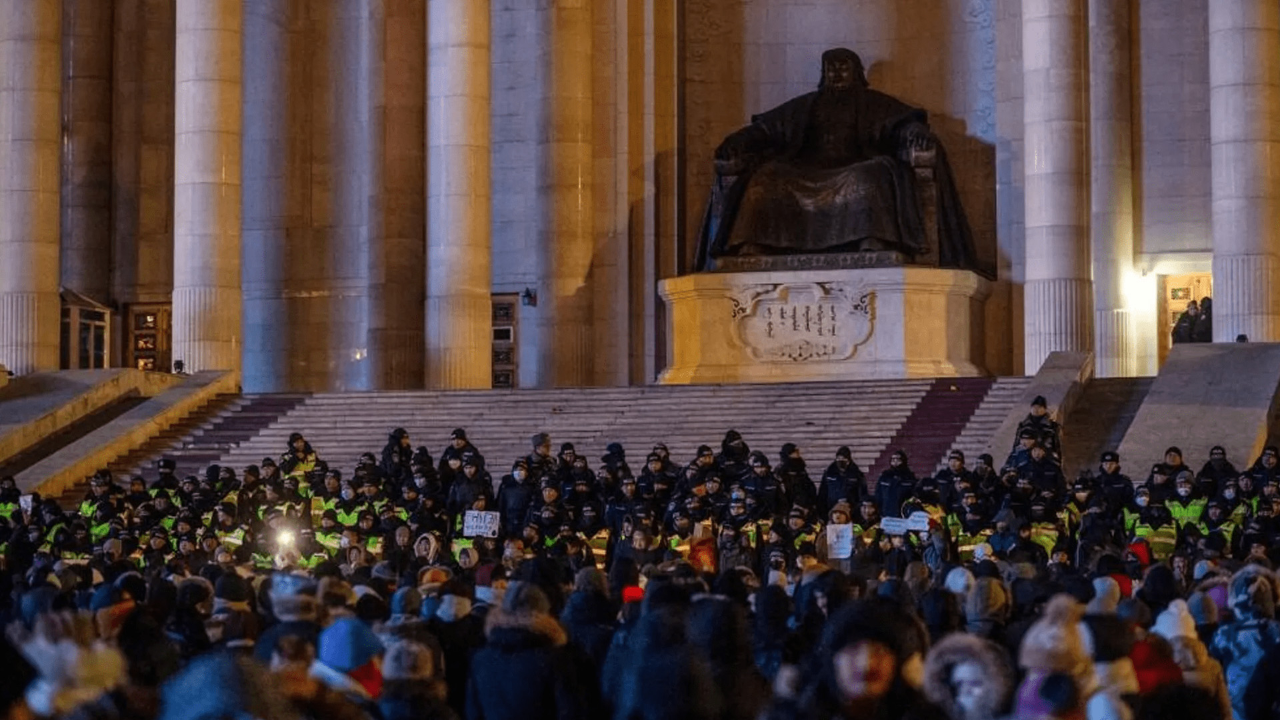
point(802, 322)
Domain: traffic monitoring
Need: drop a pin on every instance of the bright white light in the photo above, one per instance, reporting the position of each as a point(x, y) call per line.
point(285, 538)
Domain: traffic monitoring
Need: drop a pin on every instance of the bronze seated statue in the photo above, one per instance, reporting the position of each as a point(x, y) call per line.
point(845, 169)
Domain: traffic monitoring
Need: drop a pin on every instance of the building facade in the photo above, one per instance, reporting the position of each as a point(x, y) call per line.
point(392, 194)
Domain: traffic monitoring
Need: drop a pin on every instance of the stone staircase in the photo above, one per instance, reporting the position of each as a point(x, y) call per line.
point(956, 413)
point(1002, 397)
point(204, 437)
point(819, 417)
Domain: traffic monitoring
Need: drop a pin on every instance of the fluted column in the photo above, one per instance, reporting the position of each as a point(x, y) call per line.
point(1244, 110)
point(1111, 176)
point(30, 127)
point(207, 136)
point(397, 322)
point(1058, 297)
point(459, 310)
point(563, 326)
point(88, 26)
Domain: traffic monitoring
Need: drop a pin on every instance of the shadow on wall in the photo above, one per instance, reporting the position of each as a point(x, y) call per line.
point(712, 99)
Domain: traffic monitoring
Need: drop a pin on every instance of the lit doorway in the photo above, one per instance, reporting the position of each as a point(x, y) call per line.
point(1176, 292)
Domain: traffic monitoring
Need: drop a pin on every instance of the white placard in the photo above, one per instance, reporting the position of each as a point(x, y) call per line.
point(480, 523)
point(840, 541)
point(919, 521)
point(895, 526)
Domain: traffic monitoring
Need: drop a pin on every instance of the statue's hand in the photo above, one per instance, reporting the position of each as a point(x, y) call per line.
point(731, 157)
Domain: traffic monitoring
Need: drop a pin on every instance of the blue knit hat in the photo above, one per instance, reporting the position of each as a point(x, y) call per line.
point(348, 644)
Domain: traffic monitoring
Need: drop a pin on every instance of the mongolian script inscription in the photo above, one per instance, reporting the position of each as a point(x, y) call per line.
point(802, 322)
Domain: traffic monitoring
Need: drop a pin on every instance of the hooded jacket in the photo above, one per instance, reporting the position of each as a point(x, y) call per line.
point(1251, 644)
point(526, 671)
point(956, 650)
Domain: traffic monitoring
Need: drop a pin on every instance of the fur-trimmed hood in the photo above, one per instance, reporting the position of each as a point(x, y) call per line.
point(1253, 592)
point(960, 648)
point(523, 630)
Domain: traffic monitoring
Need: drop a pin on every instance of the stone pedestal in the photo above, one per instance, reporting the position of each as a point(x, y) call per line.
point(787, 326)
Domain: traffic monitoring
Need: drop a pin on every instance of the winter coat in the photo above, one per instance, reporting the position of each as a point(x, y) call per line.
point(894, 488)
point(527, 672)
point(987, 608)
point(1200, 670)
point(588, 620)
point(848, 485)
point(1250, 644)
point(1115, 681)
point(459, 640)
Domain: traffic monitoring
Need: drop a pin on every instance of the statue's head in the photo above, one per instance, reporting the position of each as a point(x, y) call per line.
point(842, 69)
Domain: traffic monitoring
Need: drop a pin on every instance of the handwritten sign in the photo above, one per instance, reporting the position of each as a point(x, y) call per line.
point(895, 526)
point(480, 523)
point(840, 541)
point(918, 522)
point(26, 503)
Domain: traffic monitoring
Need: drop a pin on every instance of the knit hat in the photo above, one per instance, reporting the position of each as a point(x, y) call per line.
point(1133, 610)
point(407, 660)
point(293, 597)
point(959, 581)
point(524, 598)
point(406, 601)
point(1106, 596)
point(1053, 643)
point(983, 552)
point(348, 644)
point(1203, 568)
point(592, 580)
point(231, 588)
point(1202, 608)
point(1175, 622)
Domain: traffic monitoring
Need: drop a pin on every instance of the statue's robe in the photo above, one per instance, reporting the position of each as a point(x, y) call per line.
point(797, 196)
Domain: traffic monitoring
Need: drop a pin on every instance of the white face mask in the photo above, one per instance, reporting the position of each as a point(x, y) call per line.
point(519, 475)
point(1142, 501)
point(1229, 494)
point(1184, 492)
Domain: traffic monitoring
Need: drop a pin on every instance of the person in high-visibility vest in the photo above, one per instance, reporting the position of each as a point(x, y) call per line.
point(1185, 507)
point(1157, 527)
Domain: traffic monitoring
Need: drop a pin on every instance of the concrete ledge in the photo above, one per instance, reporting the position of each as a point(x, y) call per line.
point(34, 407)
point(1205, 395)
point(71, 465)
point(1061, 380)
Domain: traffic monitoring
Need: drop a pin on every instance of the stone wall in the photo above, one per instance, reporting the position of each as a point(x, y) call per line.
point(519, 69)
point(1173, 111)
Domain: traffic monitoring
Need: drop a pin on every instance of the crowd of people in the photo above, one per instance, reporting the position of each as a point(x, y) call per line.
point(726, 586)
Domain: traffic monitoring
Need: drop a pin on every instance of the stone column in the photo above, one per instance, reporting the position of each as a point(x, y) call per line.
point(142, 147)
point(30, 135)
point(88, 27)
point(1244, 105)
point(397, 322)
point(1111, 176)
point(206, 206)
point(1058, 297)
point(459, 316)
point(562, 325)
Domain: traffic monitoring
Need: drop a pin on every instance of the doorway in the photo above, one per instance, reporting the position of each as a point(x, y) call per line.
point(505, 321)
point(1176, 292)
